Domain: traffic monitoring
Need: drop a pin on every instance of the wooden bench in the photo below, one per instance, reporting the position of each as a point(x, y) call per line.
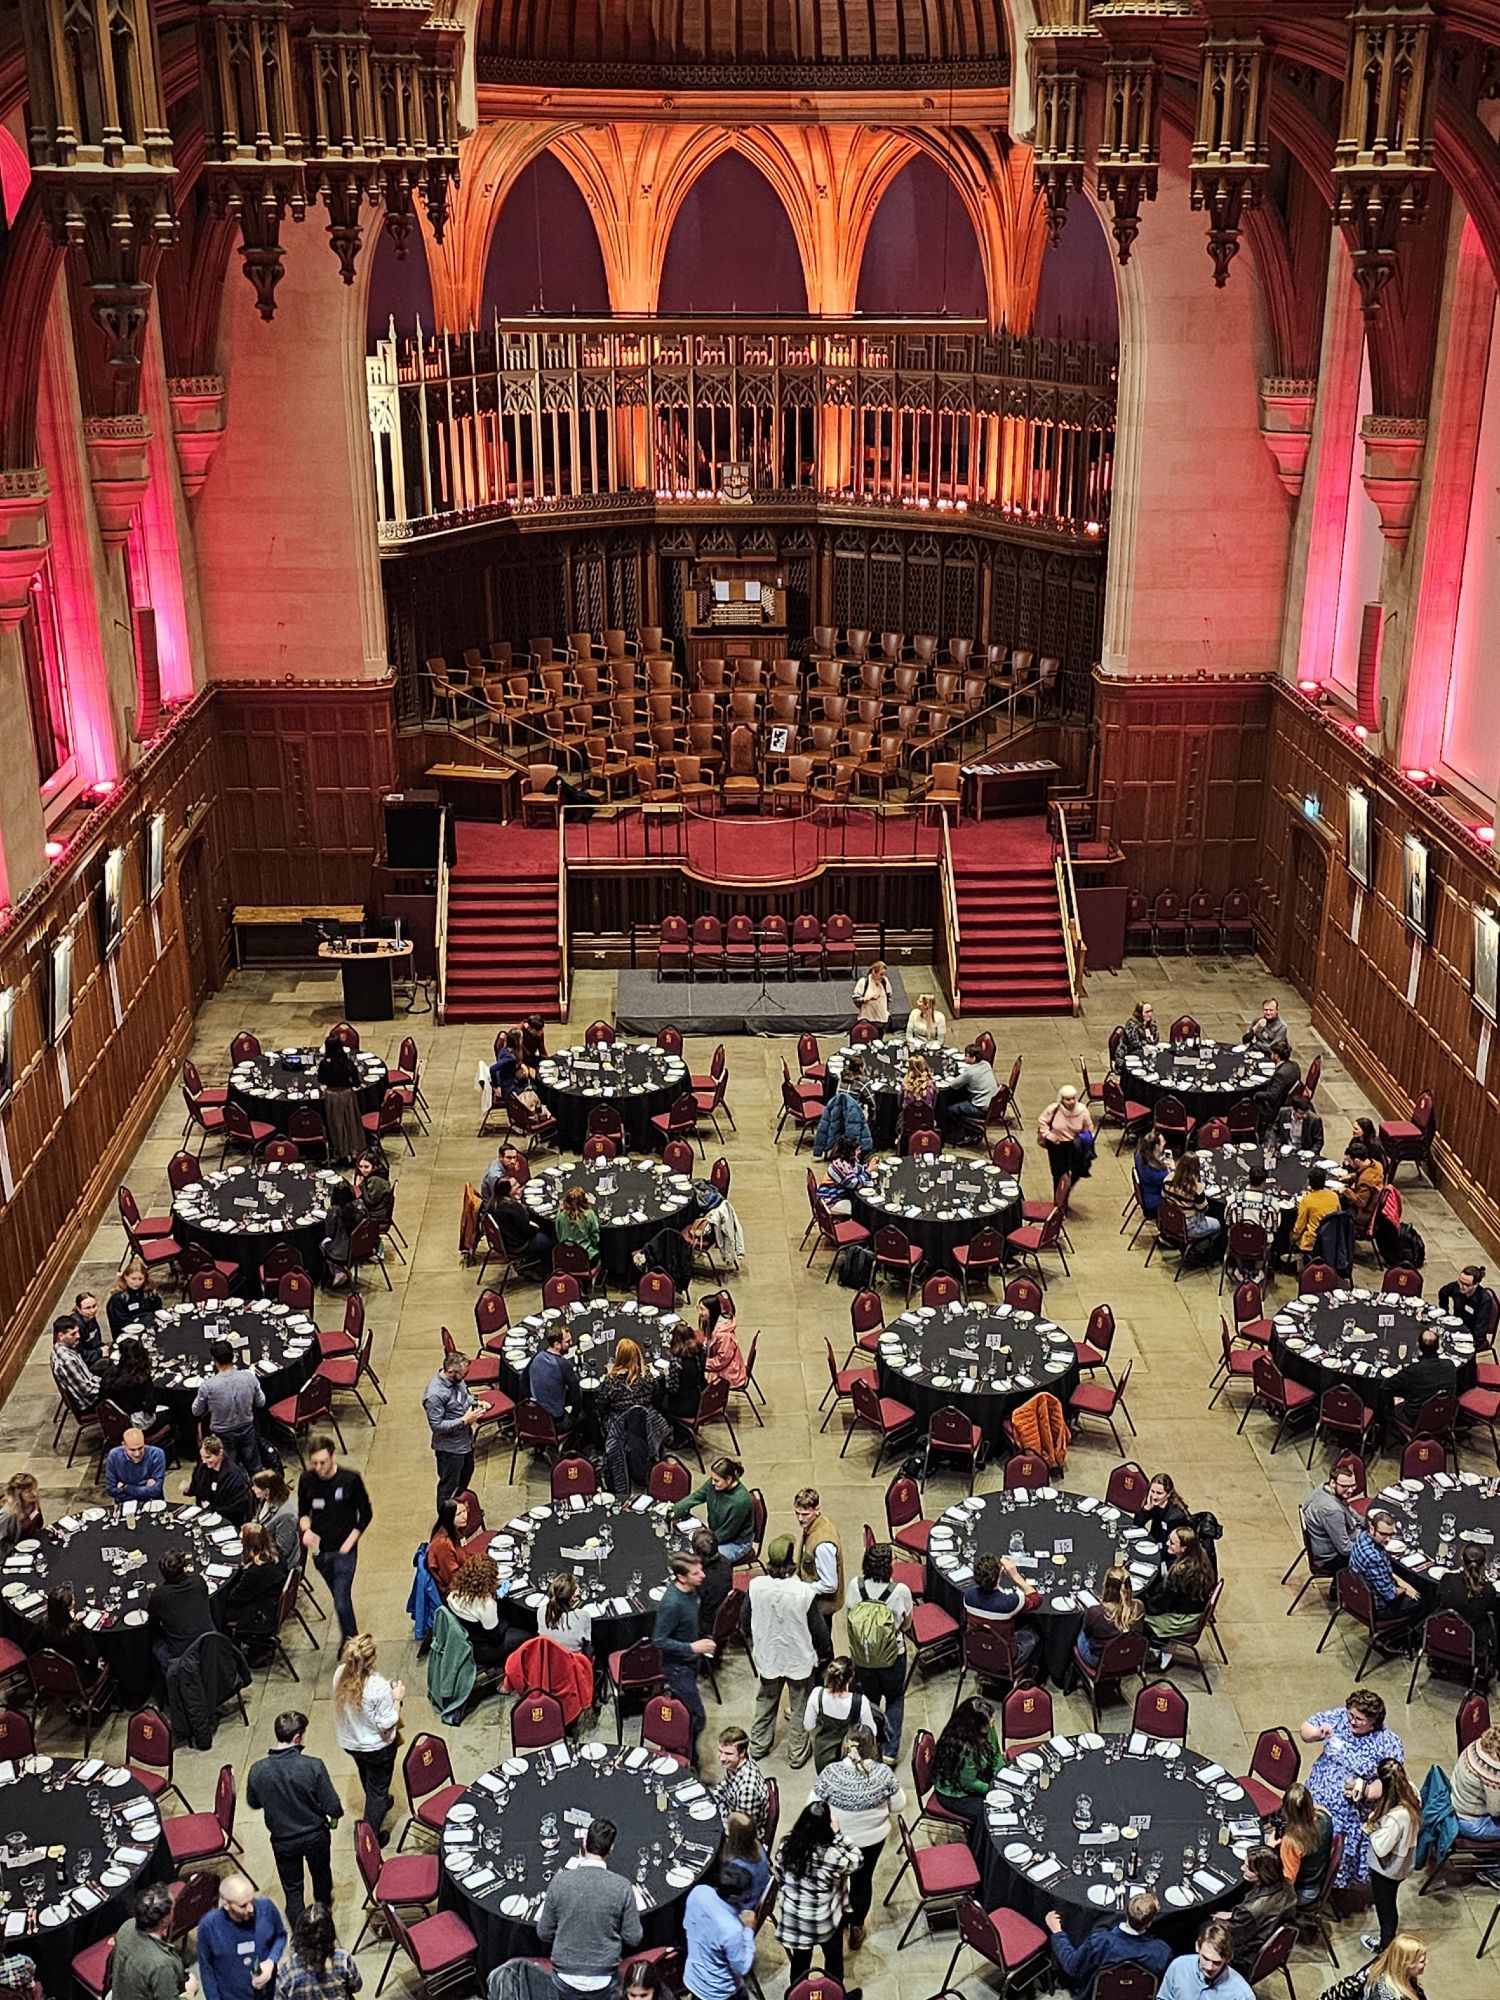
point(272, 918)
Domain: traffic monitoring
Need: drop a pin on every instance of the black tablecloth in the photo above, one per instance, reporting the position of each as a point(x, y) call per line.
point(262, 1331)
point(271, 1088)
point(251, 1201)
point(1206, 1077)
point(1028, 1527)
point(1181, 1811)
point(1424, 1507)
point(621, 1190)
point(928, 1357)
point(1359, 1332)
point(44, 1806)
point(1225, 1172)
point(529, 1550)
point(513, 1802)
point(75, 1555)
point(598, 1325)
point(936, 1188)
point(638, 1080)
point(885, 1066)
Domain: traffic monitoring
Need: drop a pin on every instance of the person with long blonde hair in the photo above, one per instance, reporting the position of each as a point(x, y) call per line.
point(926, 1024)
point(1306, 1842)
point(1393, 1818)
point(367, 1722)
point(1118, 1610)
point(918, 1092)
point(20, 1510)
point(1397, 1973)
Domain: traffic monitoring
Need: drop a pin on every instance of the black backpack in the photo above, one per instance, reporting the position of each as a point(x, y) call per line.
point(857, 1271)
point(1410, 1249)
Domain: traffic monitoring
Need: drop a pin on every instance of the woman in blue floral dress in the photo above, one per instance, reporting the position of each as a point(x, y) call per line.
point(1354, 1739)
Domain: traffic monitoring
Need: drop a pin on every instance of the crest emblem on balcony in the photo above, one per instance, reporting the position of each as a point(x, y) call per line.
point(734, 484)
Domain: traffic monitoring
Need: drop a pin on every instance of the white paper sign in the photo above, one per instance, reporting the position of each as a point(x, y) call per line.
point(7, 1178)
point(1415, 972)
point(1482, 1053)
point(112, 972)
point(62, 1074)
point(1356, 915)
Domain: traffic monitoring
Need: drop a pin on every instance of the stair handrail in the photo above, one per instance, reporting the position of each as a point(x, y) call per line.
point(1067, 903)
point(950, 917)
point(441, 931)
point(564, 971)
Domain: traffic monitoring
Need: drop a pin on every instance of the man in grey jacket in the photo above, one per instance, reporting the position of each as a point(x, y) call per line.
point(227, 1401)
point(452, 1414)
point(589, 1919)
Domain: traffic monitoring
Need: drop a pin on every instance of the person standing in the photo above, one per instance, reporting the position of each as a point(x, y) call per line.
point(296, 1794)
point(135, 1470)
point(452, 1414)
point(367, 1720)
point(879, 1611)
point(863, 1795)
point(240, 1943)
point(227, 1401)
point(1066, 1130)
point(145, 1966)
point(338, 1079)
point(720, 1935)
point(1355, 1740)
point(315, 1966)
point(552, 1379)
point(1393, 1818)
point(677, 1641)
point(872, 995)
point(775, 1623)
point(333, 1511)
point(820, 1560)
point(589, 1918)
point(813, 1865)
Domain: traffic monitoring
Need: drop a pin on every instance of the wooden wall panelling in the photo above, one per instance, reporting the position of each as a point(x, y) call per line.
point(65, 1157)
point(1183, 763)
point(304, 769)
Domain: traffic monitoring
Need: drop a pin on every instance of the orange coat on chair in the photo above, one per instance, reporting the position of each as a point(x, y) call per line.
point(1039, 1425)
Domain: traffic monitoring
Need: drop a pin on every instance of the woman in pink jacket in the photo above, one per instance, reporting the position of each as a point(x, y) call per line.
point(1067, 1131)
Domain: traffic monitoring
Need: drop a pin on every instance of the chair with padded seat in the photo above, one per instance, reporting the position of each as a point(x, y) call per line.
point(1102, 1401)
point(442, 1949)
point(1004, 1938)
point(431, 1789)
point(1410, 1138)
point(952, 1434)
point(410, 1881)
point(54, 1677)
point(1160, 1711)
point(193, 1838)
point(890, 1419)
point(945, 1876)
point(1276, 1764)
point(1119, 1659)
point(1353, 1599)
point(1277, 1396)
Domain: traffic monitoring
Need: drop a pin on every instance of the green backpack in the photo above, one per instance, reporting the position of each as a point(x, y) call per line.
point(873, 1638)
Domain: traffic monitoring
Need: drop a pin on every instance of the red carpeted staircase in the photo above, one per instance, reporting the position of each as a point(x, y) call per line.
point(1011, 958)
point(503, 960)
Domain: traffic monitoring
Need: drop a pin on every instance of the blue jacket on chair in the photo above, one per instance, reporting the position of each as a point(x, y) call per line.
point(843, 1118)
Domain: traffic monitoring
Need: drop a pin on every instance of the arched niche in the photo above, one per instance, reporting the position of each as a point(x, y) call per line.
point(544, 252)
point(400, 288)
point(732, 247)
point(921, 255)
point(1076, 297)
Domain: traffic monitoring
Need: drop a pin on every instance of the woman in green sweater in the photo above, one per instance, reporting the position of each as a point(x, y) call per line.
point(578, 1222)
point(731, 1511)
point(966, 1759)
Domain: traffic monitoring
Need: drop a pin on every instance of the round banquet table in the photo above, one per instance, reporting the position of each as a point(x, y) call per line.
point(885, 1066)
point(1435, 1517)
point(279, 1344)
point(617, 1550)
point(634, 1198)
point(109, 1556)
point(81, 1837)
point(1363, 1338)
point(1225, 1171)
point(247, 1211)
point(519, 1823)
point(983, 1358)
point(939, 1203)
point(1185, 1803)
point(277, 1082)
point(1206, 1077)
point(598, 1325)
point(1062, 1543)
point(637, 1079)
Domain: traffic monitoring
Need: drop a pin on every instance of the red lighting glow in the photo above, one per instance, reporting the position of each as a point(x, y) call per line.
point(1417, 777)
point(102, 788)
point(1360, 731)
point(53, 849)
point(1485, 835)
point(1308, 687)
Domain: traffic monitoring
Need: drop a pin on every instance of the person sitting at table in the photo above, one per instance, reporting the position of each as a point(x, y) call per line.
point(1164, 1509)
point(63, 1631)
point(832, 1710)
point(1139, 1031)
point(578, 1222)
point(217, 1482)
point(1153, 1167)
point(1186, 1189)
point(999, 1591)
point(510, 1071)
point(844, 1172)
point(338, 1079)
point(135, 1470)
point(1184, 1584)
point(1390, 1594)
point(565, 1617)
point(1329, 1521)
point(276, 1511)
point(730, 1512)
point(926, 1024)
point(1469, 1300)
point(525, 1237)
point(133, 1300)
point(1468, 1592)
point(742, 1844)
point(1255, 1202)
point(1429, 1373)
point(1118, 1610)
point(445, 1547)
point(552, 1377)
point(533, 1040)
point(339, 1225)
point(846, 1115)
point(1116, 1941)
point(1364, 1187)
point(373, 1189)
point(20, 1511)
point(628, 1386)
point(91, 1334)
point(682, 1391)
point(246, 1606)
point(718, 1578)
point(125, 1380)
point(474, 1600)
point(1475, 1787)
point(964, 1762)
point(1318, 1201)
point(72, 1374)
point(178, 1609)
point(1066, 1130)
point(1268, 1031)
point(1206, 1969)
point(872, 995)
point(917, 1095)
point(1268, 1905)
point(723, 1359)
point(973, 1093)
point(1306, 1842)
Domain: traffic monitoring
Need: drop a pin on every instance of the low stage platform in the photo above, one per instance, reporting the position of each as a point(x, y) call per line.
point(647, 1004)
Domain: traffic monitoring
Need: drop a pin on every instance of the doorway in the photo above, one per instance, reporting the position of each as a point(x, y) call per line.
point(1305, 928)
point(192, 893)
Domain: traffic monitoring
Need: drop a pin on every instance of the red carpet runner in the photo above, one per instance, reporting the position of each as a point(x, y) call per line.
point(503, 960)
point(1011, 954)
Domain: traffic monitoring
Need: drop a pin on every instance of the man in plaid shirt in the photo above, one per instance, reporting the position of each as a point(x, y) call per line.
point(744, 1789)
point(69, 1369)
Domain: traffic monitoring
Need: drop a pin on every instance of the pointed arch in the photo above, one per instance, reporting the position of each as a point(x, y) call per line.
point(921, 253)
point(544, 254)
point(705, 265)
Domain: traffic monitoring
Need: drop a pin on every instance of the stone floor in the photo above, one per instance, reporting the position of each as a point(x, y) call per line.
point(1170, 1331)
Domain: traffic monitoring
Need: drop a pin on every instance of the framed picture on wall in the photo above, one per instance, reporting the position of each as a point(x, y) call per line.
point(112, 906)
point(1358, 857)
point(1487, 963)
point(156, 855)
point(1414, 884)
point(60, 987)
point(7, 1058)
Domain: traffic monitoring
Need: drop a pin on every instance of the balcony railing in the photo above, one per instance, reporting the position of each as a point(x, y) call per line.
point(565, 417)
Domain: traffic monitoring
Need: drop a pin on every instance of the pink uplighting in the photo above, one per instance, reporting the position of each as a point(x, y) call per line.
point(1308, 687)
point(1485, 835)
point(1417, 777)
point(102, 787)
point(54, 849)
point(1360, 731)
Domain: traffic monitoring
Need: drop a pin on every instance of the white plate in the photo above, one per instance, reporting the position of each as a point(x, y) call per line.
point(462, 1812)
point(1100, 1894)
point(703, 1809)
point(595, 1753)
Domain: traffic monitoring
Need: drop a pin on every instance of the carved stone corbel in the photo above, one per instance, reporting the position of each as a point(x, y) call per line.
point(119, 471)
point(25, 537)
point(1392, 471)
point(1286, 420)
point(197, 425)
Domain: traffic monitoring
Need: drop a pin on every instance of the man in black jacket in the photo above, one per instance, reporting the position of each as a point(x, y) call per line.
point(1430, 1374)
point(297, 1797)
point(178, 1608)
